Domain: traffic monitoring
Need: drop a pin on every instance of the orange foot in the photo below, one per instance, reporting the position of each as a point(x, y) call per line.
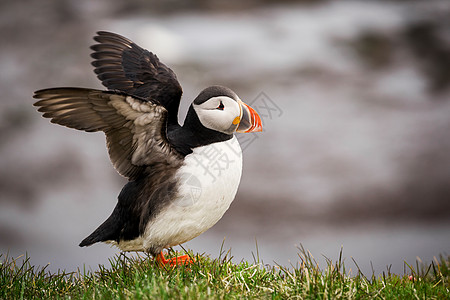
point(176, 261)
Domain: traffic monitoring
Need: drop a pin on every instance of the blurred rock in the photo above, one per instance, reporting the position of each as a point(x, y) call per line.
point(374, 48)
point(431, 48)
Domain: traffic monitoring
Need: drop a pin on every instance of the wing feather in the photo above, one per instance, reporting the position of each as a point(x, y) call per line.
point(135, 129)
point(122, 65)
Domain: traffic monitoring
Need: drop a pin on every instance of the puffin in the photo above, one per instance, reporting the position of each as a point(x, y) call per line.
point(181, 178)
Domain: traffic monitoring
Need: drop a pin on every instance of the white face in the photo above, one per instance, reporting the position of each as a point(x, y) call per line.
point(219, 113)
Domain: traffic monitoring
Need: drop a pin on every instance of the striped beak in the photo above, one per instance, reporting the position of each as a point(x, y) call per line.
point(249, 121)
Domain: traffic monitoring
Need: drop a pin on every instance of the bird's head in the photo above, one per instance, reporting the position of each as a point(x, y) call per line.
point(220, 109)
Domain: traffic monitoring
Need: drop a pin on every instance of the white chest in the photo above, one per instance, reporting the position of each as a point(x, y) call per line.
point(210, 178)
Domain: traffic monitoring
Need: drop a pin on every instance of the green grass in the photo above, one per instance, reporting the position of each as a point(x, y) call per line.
point(139, 277)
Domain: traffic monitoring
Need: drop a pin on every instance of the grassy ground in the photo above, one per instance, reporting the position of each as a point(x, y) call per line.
point(141, 278)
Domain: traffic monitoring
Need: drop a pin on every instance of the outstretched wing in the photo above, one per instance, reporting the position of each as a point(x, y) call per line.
point(135, 129)
point(122, 65)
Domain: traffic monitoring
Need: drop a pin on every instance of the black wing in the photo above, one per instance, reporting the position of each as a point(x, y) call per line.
point(135, 129)
point(122, 65)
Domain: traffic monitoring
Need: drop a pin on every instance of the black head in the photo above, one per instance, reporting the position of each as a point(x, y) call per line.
point(214, 115)
point(214, 91)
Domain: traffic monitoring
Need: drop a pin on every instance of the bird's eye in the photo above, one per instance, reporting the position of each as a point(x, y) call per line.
point(221, 106)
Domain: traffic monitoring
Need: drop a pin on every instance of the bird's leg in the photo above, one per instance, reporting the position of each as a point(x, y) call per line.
point(181, 260)
point(176, 261)
point(161, 260)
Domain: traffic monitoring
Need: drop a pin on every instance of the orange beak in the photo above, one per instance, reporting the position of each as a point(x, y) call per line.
point(249, 120)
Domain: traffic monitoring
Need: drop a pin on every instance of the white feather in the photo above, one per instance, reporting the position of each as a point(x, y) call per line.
point(211, 176)
point(216, 119)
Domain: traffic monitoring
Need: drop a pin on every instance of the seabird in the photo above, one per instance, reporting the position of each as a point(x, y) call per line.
point(182, 179)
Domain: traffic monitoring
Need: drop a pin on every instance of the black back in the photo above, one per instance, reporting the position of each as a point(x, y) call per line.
point(138, 202)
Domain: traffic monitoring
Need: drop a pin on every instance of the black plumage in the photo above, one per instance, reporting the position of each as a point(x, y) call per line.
point(138, 202)
point(135, 132)
point(122, 65)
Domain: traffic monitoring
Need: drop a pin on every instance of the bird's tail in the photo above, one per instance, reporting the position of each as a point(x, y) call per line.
point(108, 231)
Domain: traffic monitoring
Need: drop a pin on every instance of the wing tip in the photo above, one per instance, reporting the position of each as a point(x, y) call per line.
point(111, 37)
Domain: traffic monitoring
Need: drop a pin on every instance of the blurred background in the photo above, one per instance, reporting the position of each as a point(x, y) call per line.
point(354, 97)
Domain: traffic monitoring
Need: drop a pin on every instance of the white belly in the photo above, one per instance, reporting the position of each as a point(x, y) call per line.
point(210, 176)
